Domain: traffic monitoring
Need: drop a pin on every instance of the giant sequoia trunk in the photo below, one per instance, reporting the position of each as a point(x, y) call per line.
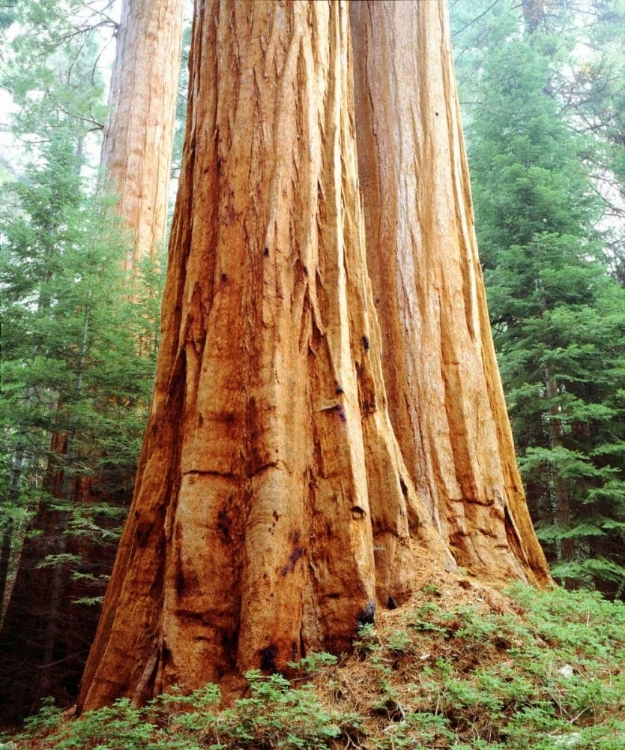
point(273, 510)
point(138, 141)
point(440, 371)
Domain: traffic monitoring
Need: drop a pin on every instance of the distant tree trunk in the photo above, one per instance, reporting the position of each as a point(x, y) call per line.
point(562, 514)
point(533, 14)
point(59, 572)
point(441, 375)
point(45, 634)
point(5, 553)
point(138, 139)
point(7, 533)
point(23, 670)
point(273, 511)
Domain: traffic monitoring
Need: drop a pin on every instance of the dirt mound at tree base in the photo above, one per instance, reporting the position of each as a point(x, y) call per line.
point(463, 665)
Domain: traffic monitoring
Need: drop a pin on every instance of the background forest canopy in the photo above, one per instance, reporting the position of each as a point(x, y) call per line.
point(543, 100)
point(544, 110)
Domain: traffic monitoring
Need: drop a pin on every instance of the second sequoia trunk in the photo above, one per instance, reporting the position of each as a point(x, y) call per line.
point(138, 140)
point(445, 396)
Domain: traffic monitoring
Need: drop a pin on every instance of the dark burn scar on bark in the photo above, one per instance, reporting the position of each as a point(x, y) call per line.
point(266, 252)
point(268, 658)
point(165, 655)
point(367, 615)
point(391, 603)
point(293, 558)
point(365, 343)
point(224, 523)
point(227, 640)
point(224, 277)
point(179, 582)
point(142, 532)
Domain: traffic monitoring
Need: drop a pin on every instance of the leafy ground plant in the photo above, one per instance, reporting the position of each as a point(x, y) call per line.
point(275, 715)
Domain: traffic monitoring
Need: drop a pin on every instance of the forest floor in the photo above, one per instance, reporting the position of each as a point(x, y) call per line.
point(460, 666)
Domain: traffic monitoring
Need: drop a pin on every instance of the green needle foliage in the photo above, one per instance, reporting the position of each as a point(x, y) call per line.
point(51, 64)
point(75, 398)
point(70, 331)
point(558, 315)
